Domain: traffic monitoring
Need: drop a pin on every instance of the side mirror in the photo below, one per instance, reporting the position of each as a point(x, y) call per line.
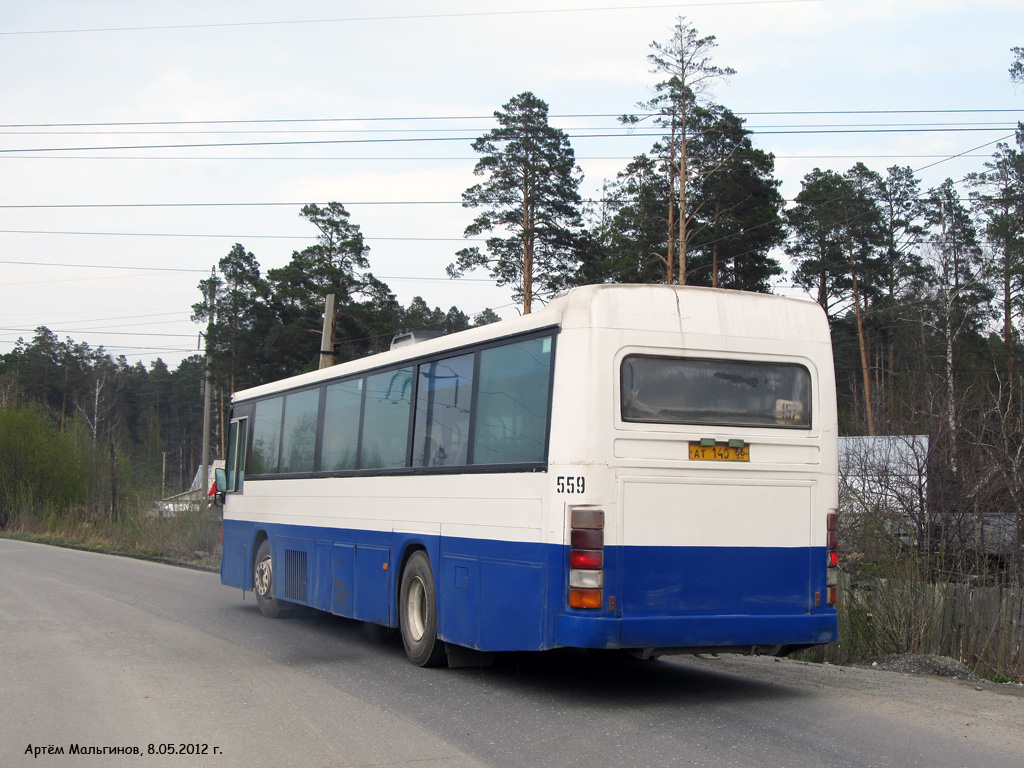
point(220, 486)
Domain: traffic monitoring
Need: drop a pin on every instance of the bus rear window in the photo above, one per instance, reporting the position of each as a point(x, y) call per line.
point(673, 390)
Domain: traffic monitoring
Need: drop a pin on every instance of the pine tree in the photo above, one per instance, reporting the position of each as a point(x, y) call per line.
point(529, 200)
point(816, 240)
point(1017, 67)
point(998, 199)
point(627, 240)
point(836, 239)
point(237, 322)
point(735, 207)
point(298, 291)
point(685, 61)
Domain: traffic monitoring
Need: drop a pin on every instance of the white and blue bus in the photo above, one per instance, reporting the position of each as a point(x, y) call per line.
point(651, 468)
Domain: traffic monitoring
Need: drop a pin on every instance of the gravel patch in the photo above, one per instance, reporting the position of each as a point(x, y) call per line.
point(921, 664)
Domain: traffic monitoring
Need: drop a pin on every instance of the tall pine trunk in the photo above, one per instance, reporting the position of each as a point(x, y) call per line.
point(861, 338)
point(682, 200)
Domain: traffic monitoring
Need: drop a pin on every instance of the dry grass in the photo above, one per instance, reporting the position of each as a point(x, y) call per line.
point(190, 538)
point(982, 626)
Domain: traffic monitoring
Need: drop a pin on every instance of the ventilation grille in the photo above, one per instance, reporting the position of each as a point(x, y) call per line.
point(295, 575)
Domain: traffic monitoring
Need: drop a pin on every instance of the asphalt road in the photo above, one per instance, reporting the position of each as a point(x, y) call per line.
point(99, 651)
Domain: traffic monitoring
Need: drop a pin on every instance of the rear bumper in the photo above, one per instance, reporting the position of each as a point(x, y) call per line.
point(581, 631)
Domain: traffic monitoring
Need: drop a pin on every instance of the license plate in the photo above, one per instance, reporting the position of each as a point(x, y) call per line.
point(719, 452)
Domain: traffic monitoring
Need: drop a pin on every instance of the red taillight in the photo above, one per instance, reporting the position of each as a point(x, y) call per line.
point(592, 559)
point(832, 545)
point(586, 558)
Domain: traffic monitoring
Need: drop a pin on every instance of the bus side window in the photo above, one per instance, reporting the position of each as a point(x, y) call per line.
point(388, 404)
point(443, 405)
point(298, 435)
point(512, 403)
point(266, 436)
point(339, 440)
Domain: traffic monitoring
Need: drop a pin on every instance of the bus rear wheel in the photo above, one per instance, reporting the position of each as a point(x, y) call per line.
point(263, 584)
point(417, 613)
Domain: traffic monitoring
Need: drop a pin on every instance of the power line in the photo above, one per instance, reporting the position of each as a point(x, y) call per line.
point(118, 317)
point(106, 332)
point(407, 17)
point(116, 348)
point(348, 203)
point(103, 266)
point(136, 325)
point(215, 145)
point(961, 154)
point(881, 111)
point(427, 158)
point(414, 118)
point(226, 236)
point(271, 120)
point(316, 158)
point(220, 205)
point(623, 129)
point(413, 278)
point(432, 139)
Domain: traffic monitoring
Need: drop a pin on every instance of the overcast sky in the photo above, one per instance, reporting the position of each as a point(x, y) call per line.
point(375, 104)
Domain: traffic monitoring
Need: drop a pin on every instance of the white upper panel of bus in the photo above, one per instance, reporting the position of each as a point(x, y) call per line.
point(695, 313)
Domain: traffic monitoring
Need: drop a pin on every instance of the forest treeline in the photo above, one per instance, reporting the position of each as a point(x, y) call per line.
point(923, 288)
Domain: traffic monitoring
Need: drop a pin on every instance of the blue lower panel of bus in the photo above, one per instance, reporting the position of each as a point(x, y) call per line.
point(505, 596)
point(581, 631)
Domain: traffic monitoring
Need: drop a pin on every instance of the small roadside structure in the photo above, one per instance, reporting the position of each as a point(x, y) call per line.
point(883, 488)
point(191, 500)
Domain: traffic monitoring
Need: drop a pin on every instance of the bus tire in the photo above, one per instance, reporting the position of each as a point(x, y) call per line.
point(417, 613)
point(263, 584)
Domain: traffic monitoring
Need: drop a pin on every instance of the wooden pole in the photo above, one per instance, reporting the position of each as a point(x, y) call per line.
point(327, 335)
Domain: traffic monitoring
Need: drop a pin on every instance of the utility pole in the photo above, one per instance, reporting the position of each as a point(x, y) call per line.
point(327, 335)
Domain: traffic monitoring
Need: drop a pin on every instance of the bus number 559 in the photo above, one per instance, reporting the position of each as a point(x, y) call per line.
point(570, 484)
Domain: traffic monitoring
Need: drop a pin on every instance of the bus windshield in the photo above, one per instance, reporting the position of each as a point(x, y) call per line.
point(673, 390)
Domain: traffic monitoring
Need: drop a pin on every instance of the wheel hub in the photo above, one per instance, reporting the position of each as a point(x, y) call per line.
point(263, 577)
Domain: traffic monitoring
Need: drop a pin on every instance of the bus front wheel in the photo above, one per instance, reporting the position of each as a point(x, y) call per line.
point(417, 615)
point(263, 584)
